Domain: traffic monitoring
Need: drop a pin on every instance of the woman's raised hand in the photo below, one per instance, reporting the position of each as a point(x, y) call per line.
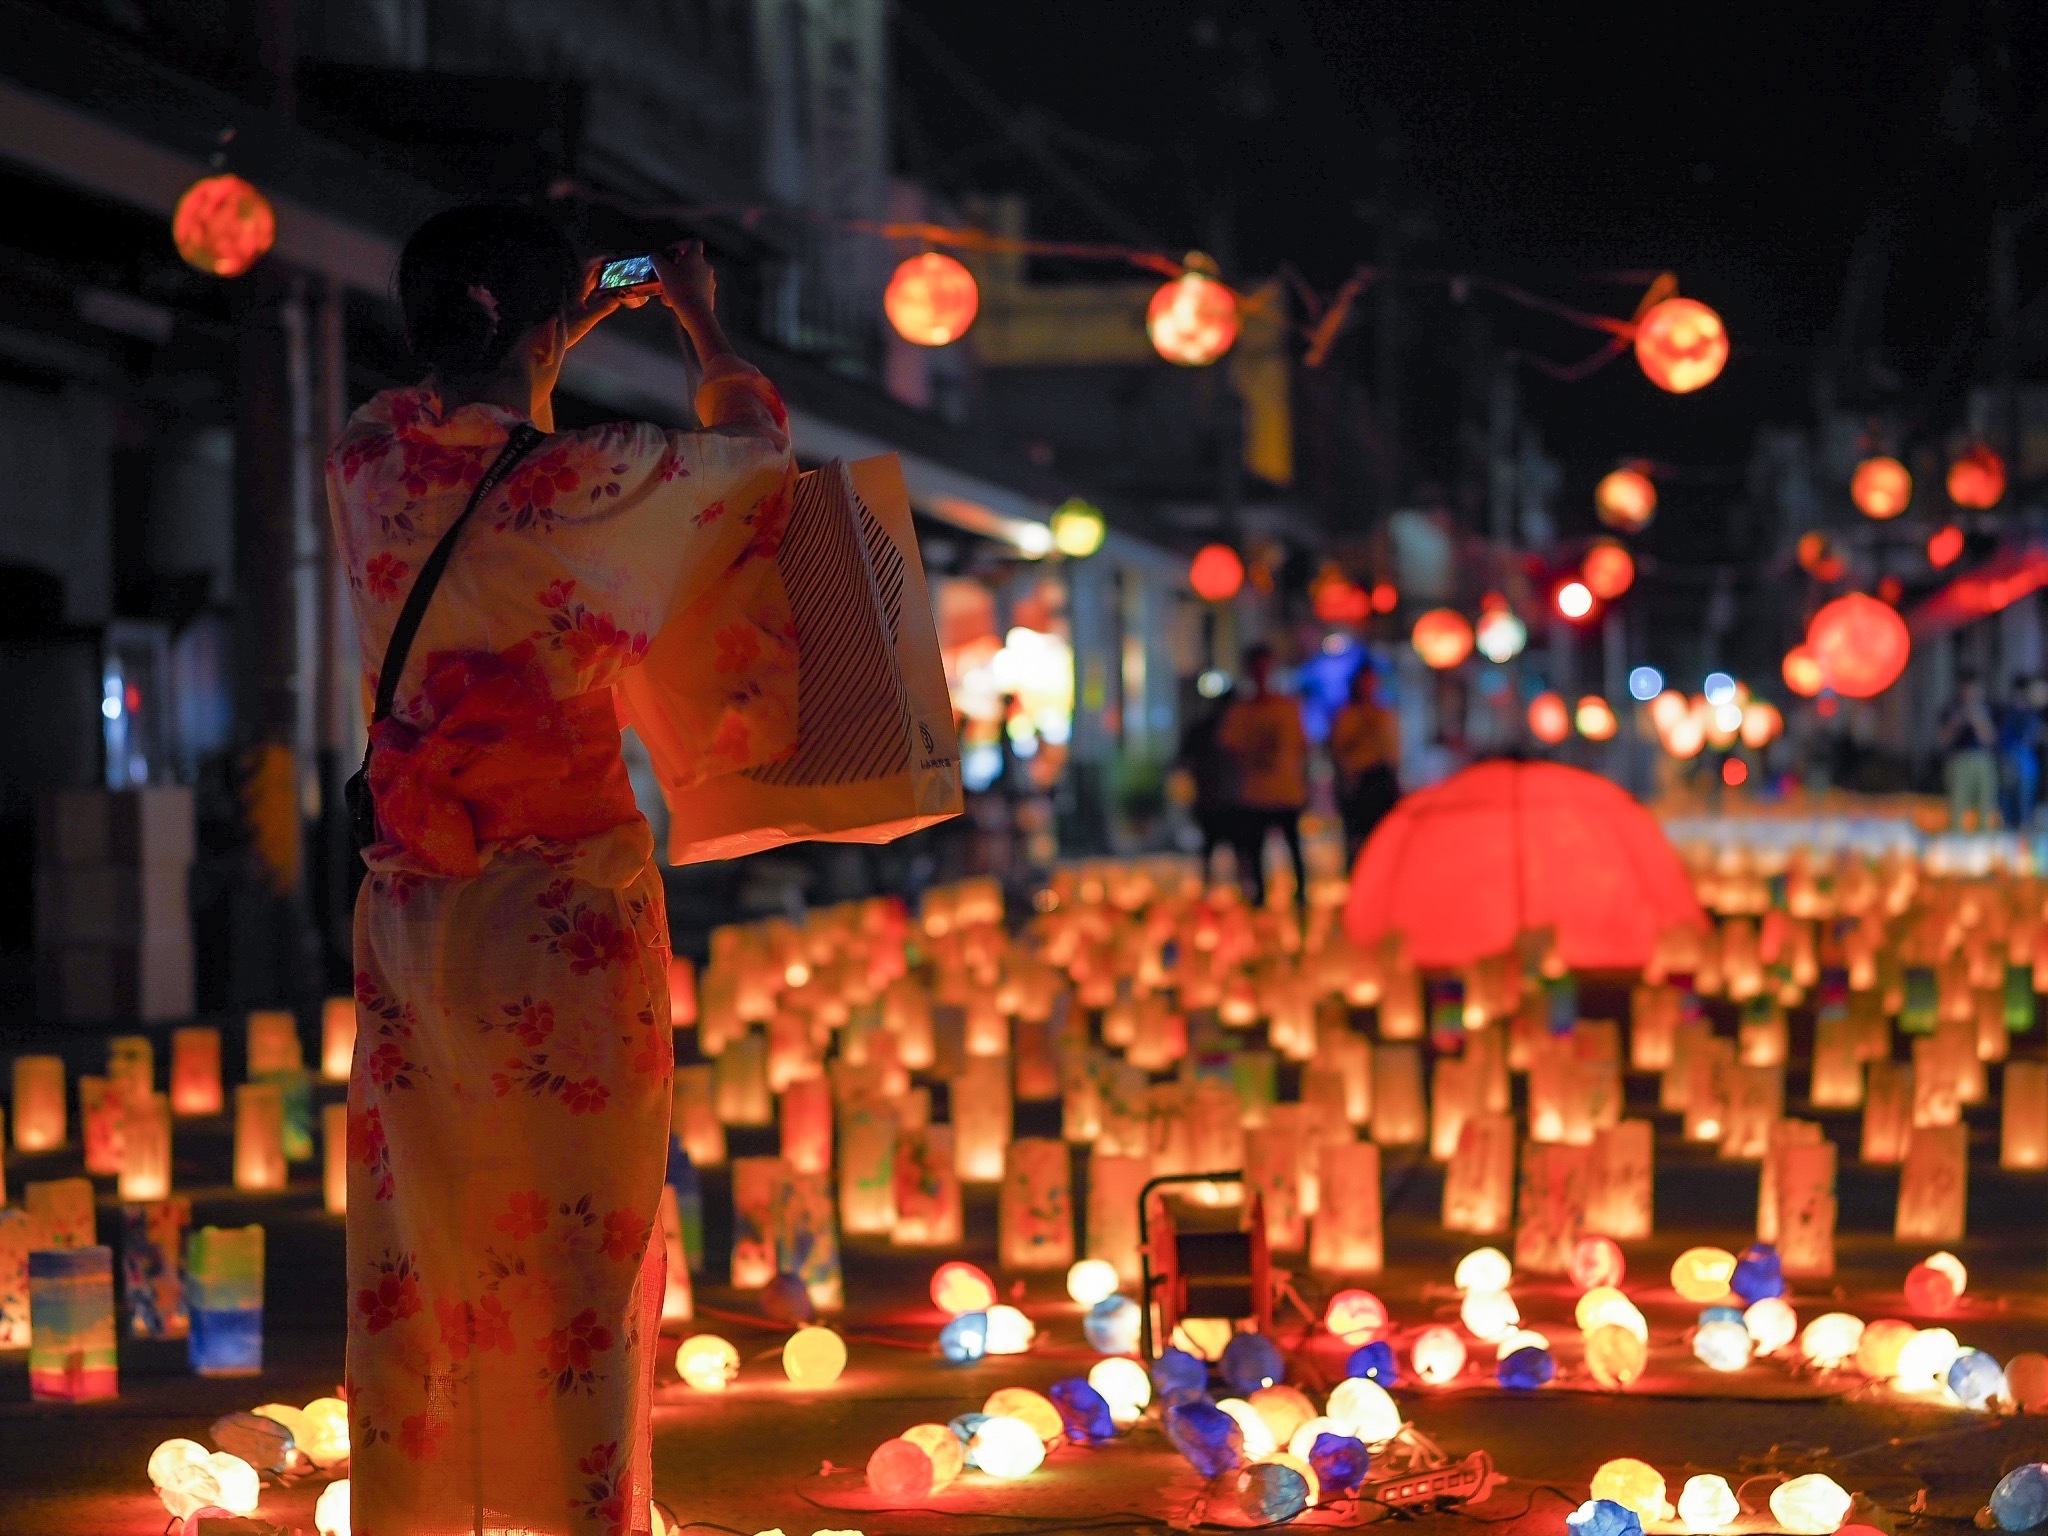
point(594, 303)
point(688, 285)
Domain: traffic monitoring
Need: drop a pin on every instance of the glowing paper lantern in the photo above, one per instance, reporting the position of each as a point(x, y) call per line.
point(1500, 635)
point(1831, 1339)
point(1882, 488)
point(38, 1103)
point(72, 1349)
point(1251, 1361)
point(1270, 1494)
point(942, 1447)
point(1702, 1274)
point(1029, 1407)
point(326, 1439)
point(330, 1513)
point(707, 1363)
point(1615, 1355)
point(1034, 1212)
point(1355, 1315)
point(189, 1478)
point(1483, 1269)
point(1813, 1505)
point(1923, 1363)
point(224, 1297)
point(1193, 319)
point(272, 1042)
point(1438, 1356)
point(2026, 1380)
point(1722, 1346)
point(1442, 638)
point(958, 1287)
point(152, 1269)
point(931, 300)
point(1007, 1448)
point(1803, 674)
point(965, 1339)
point(1772, 1324)
point(1977, 479)
point(1283, 1410)
point(1364, 1408)
point(1550, 719)
point(1374, 1362)
point(1010, 1332)
point(259, 1137)
point(1091, 1281)
point(2020, 1501)
point(1681, 345)
point(195, 1071)
point(1595, 718)
point(1526, 1369)
point(1625, 499)
point(900, 1472)
point(814, 1357)
point(222, 226)
point(1574, 599)
point(1597, 1261)
point(1945, 547)
point(1124, 1386)
point(1948, 1264)
point(1929, 1290)
point(1216, 573)
point(1878, 1351)
point(1487, 1315)
point(1976, 1380)
point(337, 1038)
point(146, 1148)
point(1077, 528)
point(1707, 1504)
point(1633, 1485)
point(1607, 570)
point(1112, 1326)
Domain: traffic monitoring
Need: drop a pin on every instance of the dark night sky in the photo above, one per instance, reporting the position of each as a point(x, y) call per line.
point(1744, 145)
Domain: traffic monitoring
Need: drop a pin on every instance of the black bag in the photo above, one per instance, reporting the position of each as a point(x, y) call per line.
point(362, 804)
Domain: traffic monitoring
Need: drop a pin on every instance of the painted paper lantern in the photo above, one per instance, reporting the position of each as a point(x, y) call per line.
point(1877, 1352)
point(1124, 1386)
point(1010, 1332)
point(1681, 345)
point(1526, 1369)
point(1595, 718)
point(959, 1287)
point(814, 1357)
point(1977, 479)
point(1882, 488)
point(1365, 1409)
point(1077, 528)
point(1574, 599)
point(931, 300)
point(1193, 319)
point(1802, 672)
point(1008, 1449)
point(1442, 637)
point(1216, 573)
point(1945, 547)
point(1860, 644)
point(1500, 634)
point(1706, 1504)
point(947, 1455)
point(1772, 1324)
point(1550, 718)
point(1092, 1281)
point(1438, 1356)
point(1813, 1505)
point(1608, 570)
point(223, 226)
point(1258, 1436)
point(900, 1472)
point(1483, 1269)
point(1951, 1266)
point(1615, 1355)
point(1603, 1517)
point(1355, 1315)
point(2020, 1501)
point(1625, 499)
point(1702, 1274)
point(1633, 1485)
point(1831, 1339)
point(1596, 1261)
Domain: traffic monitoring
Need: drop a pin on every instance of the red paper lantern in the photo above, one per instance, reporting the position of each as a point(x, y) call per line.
point(1945, 546)
point(1192, 320)
point(1734, 772)
point(931, 300)
point(1337, 599)
point(1977, 479)
point(1595, 718)
point(1550, 718)
point(1607, 570)
point(1626, 499)
point(223, 226)
point(1861, 645)
point(1386, 597)
point(1442, 638)
point(1802, 672)
point(1882, 488)
point(1682, 345)
point(1216, 573)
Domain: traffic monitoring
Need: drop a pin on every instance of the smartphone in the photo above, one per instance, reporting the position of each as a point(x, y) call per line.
point(629, 274)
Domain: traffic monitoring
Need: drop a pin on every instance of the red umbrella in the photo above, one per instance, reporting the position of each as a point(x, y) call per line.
point(1463, 867)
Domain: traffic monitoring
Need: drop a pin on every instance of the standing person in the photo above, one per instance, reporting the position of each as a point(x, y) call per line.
point(1264, 736)
point(1970, 739)
point(1365, 748)
point(2019, 745)
point(1214, 773)
point(509, 1104)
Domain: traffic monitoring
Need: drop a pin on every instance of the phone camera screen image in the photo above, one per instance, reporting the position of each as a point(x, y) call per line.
point(630, 272)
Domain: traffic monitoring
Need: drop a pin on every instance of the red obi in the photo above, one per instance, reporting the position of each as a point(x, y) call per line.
point(503, 760)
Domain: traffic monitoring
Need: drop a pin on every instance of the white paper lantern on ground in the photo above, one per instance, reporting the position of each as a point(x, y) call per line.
point(330, 1515)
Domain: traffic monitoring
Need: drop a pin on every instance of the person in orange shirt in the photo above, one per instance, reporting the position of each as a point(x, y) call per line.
point(1365, 747)
point(1263, 734)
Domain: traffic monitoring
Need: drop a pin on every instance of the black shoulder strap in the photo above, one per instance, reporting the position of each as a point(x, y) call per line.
point(525, 437)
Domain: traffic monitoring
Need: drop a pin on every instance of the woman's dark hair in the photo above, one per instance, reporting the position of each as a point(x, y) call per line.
point(474, 280)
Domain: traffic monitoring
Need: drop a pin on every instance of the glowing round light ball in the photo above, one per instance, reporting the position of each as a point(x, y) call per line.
point(1091, 1281)
point(1341, 1461)
point(1487, 1315)
point(1595, 718)
point(188, 1478)
point(900, 1472)
point(1442, 637)
point(1605, 1304)
point(293, 1419)
point(1702, 1274)
point(1008, 1449)
point(1813, 1505)
point(1615, 1356)
point(1945, 546)
point(1251, 1361)
point(1216, 573)
point(1268, 1493)
point(1882, 488)
point(965, 1338)
point(1518, 1338)
point(963, 1427)
point(948, 1456)
point(931, 300)
point(1759, 1272)
point(1977, 479)
point(813, 1357)
point(1438, 1356)
point(330, 1511)
point(1365, 1409)
point(1204, 1337)
point(1574, 599)
point(1976, 1380)
point(958, 1287)
point(1608, 570)
point(1924, 1361)
point(1596, 1261)
point(1603, 1517)
point(223, 226)
point(707, 1363)
point(1831, 1339)
point(1772, 1324)
point(1010, 1332)
point(1483, 1269)
point(1177, 1374)
point(1625, 499)
point(1878, 1351)
point(1112, 1326)
point(1526, 1369)
point(1802, 672)
point(1550, 718)
point(1026, 1406)
point(1374, 1361)
point(1192, 320)
point(1303, 1441)
point(1633, 1485)
point(1285, 1409)
point(2026, 1381)
point(1721, 1346)
point(1124, 1386)
point(1207, 1436)
point(1077, 532)
point(326, 1439)
point(2020, 1501)
point(1861, 644)
point(1500, 635)
point(1681, 345)
point(1707, 1504)
point(1355, 1315)
point(1258, 1436)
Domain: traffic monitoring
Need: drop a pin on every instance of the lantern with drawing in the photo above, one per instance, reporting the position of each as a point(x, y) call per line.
point(1681, 345)
point(1193, 319)
point(223, 226)
point(931, 300)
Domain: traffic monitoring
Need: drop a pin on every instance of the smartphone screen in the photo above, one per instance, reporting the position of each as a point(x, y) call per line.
point(629, 272)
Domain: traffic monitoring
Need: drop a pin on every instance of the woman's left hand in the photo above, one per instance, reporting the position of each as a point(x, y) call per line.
point(594, 303)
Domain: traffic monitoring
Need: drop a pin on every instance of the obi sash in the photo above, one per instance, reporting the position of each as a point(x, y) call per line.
point(503, 760)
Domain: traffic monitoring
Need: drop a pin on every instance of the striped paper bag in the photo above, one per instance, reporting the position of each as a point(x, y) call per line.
point(876, 755)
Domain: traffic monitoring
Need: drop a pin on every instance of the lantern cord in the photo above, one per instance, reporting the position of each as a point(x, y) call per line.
point(1520, 1514)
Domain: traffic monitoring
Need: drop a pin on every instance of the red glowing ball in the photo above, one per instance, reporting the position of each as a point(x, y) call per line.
point(1977, 479)
point(1882, 488)
point(1682, 345)
point(1192, 320)
point(900, 1472)
point(1817, 557)
point(1337, 599)
point(1597, 1261)
point(1607, 570)
point(1734, 772)
point(1626, 499)
point(1860, 644)
point(1550, 718)
point(1386, 597)
point(1216, 573)
point(1442, 637)
point(223, 226)
point(1945, 547)
point(1929, 1291)
point(931, 300)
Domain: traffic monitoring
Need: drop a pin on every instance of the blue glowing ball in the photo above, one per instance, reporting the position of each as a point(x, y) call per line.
point(1339, 1461)
point(1083, 1410)
point(964, 1428)
point(2020, 1501)
point(1177, 1374)
point(1375, 1362)
point(1721, 1315)
point(1603, 1517)
point(1526, 1369)
point(1759, 1272)
point(1270, 1494)
point(1211, 1439)
point(1111, 1326)
point(1976, 1378)
point(1251, 1361)
point(965, 1338)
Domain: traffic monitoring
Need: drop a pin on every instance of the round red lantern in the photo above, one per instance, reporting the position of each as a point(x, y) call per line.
point(1216, 573)
point(223, 226)
point(1945, 547)
point(1882, 488)
point(931, 300)
point(1861, 645)
point(1337, 599)
point(1607, 570)
point(1386, 597)
point(1595, 718)
point(1442, 638)
point(1977, 479)
point(1682, 345)
point(1802, 672)
point(1626, 499)
point(1550, 719)
point(1193, 319)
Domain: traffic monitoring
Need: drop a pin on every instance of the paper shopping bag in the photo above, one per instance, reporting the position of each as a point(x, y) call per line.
point(876, 756)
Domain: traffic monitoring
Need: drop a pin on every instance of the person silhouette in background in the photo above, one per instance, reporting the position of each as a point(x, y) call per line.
point(1213, 773)
point(1365, 748)
point(1263, 734)
point(1970, 739)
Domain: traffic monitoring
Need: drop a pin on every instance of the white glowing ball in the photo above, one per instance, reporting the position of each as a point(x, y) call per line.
point(330, 1515)
point(1604, 1305)
point(1831, 1338)
point(1438, 1356)
point(188, 1478)
point(1303, 1440)
point(1723, 1346)
point(1010, 1332)
point(1924, 1362)
point(1365, 1409)
point(1707, 1504)
point(707, 1363)
point(1488, 1314)
point(1484, 1269)
point(1518, 1338)
point(1007, 1448)
point(326, 1440)
point(1813, 1505)
point(1772, 1324)
point(1951, 1266)
point(1124, 1386)
point(1258, 1435)
point(1091, 1281)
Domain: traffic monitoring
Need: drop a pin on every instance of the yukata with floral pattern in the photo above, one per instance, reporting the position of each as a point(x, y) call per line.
point(509, 1105)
